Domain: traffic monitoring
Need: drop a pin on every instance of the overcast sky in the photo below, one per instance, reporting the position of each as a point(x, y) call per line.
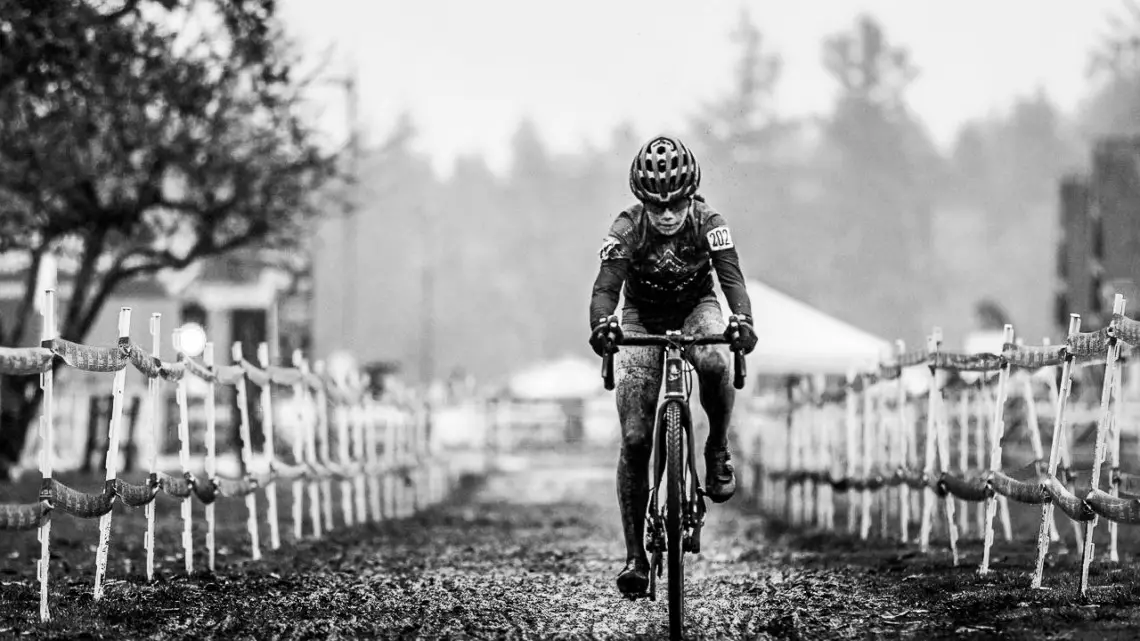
point(469, 70)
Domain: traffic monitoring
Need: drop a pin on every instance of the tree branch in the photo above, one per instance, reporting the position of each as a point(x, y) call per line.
point(30, 287)
point(94, 305)
point(130, 6)
point(119, 272)
point(92, 249)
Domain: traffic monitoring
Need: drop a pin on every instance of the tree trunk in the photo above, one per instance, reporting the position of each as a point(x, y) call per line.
point(22, 398)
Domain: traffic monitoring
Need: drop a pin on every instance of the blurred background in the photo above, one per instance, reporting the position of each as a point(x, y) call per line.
point(421, 189)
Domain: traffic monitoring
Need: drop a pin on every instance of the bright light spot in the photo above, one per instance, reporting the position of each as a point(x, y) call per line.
point(192, 338)
point(341, 365)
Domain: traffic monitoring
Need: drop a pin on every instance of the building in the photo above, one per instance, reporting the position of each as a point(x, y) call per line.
point(231, 297)
point(1098, 255)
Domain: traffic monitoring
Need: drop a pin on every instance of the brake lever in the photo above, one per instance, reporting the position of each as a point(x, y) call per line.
point(608, 370)
point(615, 334)
point(741, 369)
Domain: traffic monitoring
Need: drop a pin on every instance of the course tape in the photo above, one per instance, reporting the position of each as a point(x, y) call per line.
point(1031, 485)
point(55, 495)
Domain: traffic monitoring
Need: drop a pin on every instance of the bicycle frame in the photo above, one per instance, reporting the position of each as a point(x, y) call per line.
point(693, 504)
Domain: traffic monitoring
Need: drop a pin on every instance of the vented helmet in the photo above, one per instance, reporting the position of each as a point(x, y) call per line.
point(664, 170)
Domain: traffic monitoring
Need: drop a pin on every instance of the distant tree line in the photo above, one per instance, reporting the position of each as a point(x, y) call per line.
point(857, 212)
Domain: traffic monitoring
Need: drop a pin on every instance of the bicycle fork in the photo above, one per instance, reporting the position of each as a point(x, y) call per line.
point(693, 506)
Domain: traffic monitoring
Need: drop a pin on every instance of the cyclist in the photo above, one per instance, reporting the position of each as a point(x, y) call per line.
point(663, 249)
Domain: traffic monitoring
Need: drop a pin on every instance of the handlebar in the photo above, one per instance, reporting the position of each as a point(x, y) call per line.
point(682, 340)
point(678, 340)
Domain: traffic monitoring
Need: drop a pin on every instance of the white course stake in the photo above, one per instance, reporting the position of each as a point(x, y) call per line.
point(885, 449)
point(403, 432)
point(300, 458)
point(246, 452)
point(1003, 501)
point(356, 420)
point(267, 449)
point(942, 430)
point(310, 432)
point(803, 447)
point(835, 459)
point(47, 451)
point(997, 429)
point(1067, 462)
point(981, 429)
point(964, 455)
point(390, 507)
point(905, 436)
point(413, 451)
point(793, 494)
point(1114, 452)
point(211, 455)
point(1101, 436)
point(154, 391)
point(823, 452)
point(324, 454)
point(867, 435)
point(1034, 427)
point(851, 422)
point(345, 462)
point(928, 495)
point(184, 460)
point(113, 435)
point(372, 457)
point(1056, 449)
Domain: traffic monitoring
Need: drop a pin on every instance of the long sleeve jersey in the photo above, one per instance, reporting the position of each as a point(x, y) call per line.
point(667, 272)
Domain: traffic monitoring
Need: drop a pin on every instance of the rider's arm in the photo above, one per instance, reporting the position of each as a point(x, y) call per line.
point(611, 276)
point(727, 264)
point(615, 257)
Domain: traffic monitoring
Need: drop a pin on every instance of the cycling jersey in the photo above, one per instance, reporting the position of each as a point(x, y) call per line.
point(666, 274)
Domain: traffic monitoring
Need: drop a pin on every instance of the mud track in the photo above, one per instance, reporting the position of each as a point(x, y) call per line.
point(532, 553)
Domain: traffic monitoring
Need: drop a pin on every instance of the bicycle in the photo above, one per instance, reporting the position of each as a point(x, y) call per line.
point(679, 530)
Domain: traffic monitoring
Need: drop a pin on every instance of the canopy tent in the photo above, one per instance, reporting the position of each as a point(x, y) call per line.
point(796, 338)
point(565, 378)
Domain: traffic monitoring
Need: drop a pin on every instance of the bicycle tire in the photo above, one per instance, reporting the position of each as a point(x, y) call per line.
point(674, 523)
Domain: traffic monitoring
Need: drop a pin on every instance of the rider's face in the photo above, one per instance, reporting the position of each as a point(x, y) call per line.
point(668, 219)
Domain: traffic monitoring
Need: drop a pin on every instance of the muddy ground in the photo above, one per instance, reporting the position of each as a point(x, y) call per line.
point(532, 553)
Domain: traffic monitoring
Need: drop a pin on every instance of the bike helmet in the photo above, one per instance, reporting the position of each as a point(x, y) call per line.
point(664, 170)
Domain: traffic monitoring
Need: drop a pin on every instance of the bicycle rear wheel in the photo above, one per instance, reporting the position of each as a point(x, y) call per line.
point(674, 521)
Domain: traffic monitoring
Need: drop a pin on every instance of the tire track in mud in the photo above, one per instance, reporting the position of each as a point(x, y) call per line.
point(530, 552)
point(535, 552)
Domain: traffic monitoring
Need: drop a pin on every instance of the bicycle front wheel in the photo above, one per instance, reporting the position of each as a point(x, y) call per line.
point(674, 521)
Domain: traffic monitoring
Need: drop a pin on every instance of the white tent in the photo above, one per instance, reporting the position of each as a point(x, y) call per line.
point(795, 337)
point(564, 378)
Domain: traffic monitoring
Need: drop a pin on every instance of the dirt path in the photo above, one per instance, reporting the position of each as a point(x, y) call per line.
point(532, 553)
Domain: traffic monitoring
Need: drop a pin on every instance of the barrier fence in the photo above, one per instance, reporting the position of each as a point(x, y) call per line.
point(873, 459)
point(384, 463)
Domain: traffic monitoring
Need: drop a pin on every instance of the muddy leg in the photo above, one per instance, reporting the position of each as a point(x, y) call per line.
point(713, 364)
point(637, 391)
